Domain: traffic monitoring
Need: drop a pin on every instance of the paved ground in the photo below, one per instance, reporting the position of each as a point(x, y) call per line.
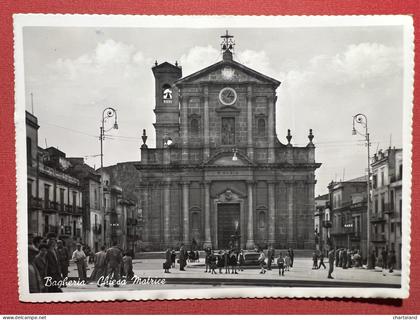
point(301, 275)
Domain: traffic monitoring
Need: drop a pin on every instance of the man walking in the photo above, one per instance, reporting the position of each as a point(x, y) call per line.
point(99, 265)
point(167, 263)
point(321, 260)
point(79, 257)
point(280, 264)
point(113, 262)
point(270, 257)
point(182, 258)
point(63, 258)
point(53, 267)
point(331, 256)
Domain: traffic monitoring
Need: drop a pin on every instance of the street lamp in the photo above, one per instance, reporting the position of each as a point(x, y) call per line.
point(107, 113)
point(361, 119)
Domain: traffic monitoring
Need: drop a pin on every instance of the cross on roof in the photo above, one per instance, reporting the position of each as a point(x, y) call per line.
point(226, 36)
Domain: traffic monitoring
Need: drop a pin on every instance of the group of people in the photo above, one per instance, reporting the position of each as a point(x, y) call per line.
point(284, 260)
point(385, 259)
point(49, 258)
point(184, 256)
point(227, 260)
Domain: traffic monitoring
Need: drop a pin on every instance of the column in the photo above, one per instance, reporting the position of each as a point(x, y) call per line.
point(186, 212)
point(250, 230)
point(291, 236)
point(207, 234)
point(309, 216)
point(271, 128)
point(145, 212)
point(184, 127)
point(271, 212)
point(166, 212)
point(250, 149)
point(206, 151)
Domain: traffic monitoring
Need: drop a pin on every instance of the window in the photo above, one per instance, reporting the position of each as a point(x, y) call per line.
point(392, 227)
point(400, 173)
point(376, 204)
point(167, 93)
point(96, 198)
point(374, 181)
point(382, 177)
point(228, 131)
point(29, 151)
point(194, 126)
point(261, 219)
point(61, 199)
point(46, 195)
point(261, 127)
point(382, 202)
point(29, 194)
point(74, 200)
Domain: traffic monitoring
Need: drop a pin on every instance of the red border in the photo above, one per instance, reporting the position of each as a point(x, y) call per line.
point(8, 276)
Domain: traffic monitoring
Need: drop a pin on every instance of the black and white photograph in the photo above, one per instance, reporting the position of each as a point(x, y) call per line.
point(174, 157)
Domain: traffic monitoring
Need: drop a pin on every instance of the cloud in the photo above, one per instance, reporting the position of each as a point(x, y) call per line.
point(257, 60)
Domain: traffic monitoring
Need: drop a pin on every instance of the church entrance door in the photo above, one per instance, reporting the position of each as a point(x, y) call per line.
point(227, 224)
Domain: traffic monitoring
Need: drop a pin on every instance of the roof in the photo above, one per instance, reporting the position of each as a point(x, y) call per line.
point(323, 197)
point(231, 63)
point(358, 179)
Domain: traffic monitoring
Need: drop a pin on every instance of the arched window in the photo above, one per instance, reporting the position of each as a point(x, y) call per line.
point(167, 92)
point(194, 126)
point(261, 127)
point(261, 219)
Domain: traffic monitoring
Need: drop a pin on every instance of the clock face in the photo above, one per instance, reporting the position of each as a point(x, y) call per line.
point(227, 96)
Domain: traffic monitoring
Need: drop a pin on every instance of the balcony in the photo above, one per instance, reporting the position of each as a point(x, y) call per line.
point(50, 206)
point(50, 229)
point(388, 209)
point(326, 224)
point(377, 219)
point(35, 203)
point(76, 210)
point(97, 229)
point(378, 238)
point(68, 208)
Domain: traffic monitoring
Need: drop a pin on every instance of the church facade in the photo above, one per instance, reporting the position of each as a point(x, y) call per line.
point(219, 176)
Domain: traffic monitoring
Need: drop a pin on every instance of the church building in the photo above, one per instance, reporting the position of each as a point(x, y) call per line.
point(219, 177)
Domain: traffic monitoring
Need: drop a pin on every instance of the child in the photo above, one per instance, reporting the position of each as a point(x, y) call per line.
point(287, 262)
point(280, 264)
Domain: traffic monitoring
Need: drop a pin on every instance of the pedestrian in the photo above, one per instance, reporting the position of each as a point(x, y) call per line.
point(173, 258)
point(321, 260)
point(241, 259)
point(292, 257)
point(113, 260)
point(340, 258)
point(53, 267)
point(314, 260)
point(337, 256)
point(372, 259)
point(212, 262)
point(331, 256)
point(206, 259)
point(349, 258)
point(220, 261)
point(270, 257)
point(63, 257)
point(40, 260)
point(344, 263)
point(99, 269)
point(36, 242)
point(182, 258)
point(36, 284)
point(392, 260)
point(261, 261)
point(168, 261)
point(79, 257)
point(280, 264)
point(384, 258)
point(127, 262)
point(233, 261)
point(226, 261)
point(287, 262)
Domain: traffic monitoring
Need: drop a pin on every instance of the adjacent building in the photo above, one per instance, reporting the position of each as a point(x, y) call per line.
point(387, 169)
point(348, 214)
point(219, 173)
point(322, 223)
point(54, 196)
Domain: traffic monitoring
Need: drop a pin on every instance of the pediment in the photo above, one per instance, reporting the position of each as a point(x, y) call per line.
point(230, 194)
point(225, 158)
point(225, 72)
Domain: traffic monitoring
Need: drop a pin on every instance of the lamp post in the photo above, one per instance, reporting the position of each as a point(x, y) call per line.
point(361, 119)
point(107, 113)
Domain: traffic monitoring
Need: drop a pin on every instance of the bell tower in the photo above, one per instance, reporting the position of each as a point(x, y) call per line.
point(166, 103)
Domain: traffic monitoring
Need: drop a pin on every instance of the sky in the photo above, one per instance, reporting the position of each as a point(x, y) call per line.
point(327, 74)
